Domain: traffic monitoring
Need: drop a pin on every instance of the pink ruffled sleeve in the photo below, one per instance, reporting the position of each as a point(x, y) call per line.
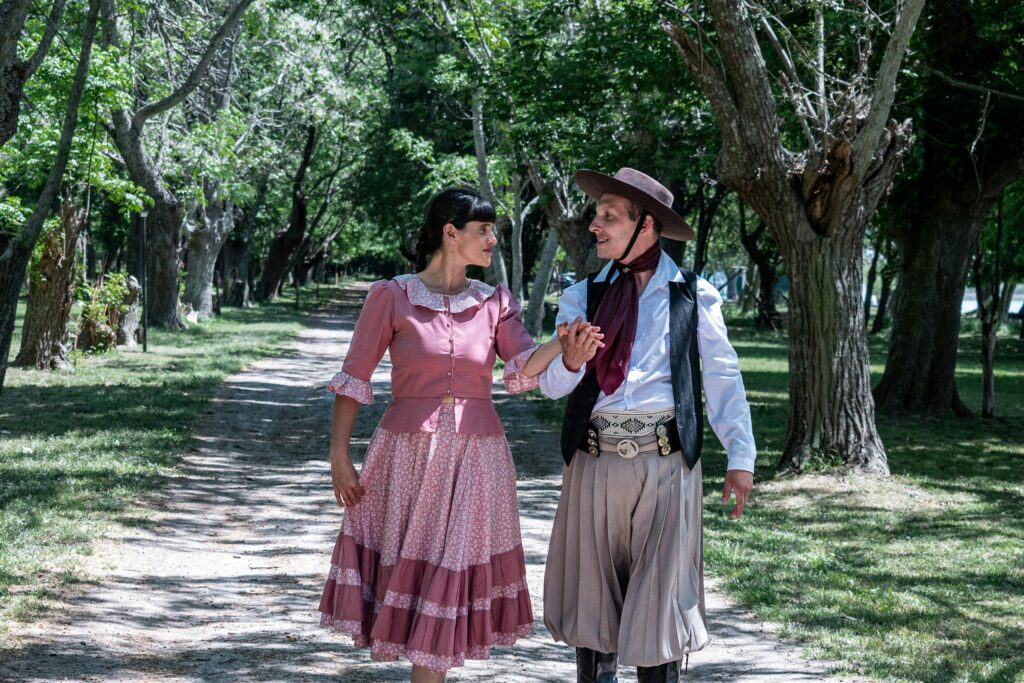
point(370, 340)
point(514, 344)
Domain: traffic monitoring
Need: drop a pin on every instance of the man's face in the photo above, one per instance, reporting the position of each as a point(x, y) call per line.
point(613, 227)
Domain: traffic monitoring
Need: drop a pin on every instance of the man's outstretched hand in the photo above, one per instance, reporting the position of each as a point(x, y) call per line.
point(739, 482)
point(580, 341)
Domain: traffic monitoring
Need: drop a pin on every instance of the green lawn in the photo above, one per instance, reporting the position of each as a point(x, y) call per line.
point(79, 450)
point(918, 577)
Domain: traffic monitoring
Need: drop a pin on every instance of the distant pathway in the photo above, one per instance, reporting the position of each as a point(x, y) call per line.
point(223, 584)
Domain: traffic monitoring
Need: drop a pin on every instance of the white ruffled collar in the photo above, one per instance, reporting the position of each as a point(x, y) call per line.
point(475, 294)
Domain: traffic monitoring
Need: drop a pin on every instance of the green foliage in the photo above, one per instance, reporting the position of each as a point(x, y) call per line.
point(103, 302)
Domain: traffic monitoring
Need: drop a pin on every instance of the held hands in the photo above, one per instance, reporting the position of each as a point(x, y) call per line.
point(347, 489)
point(739, 482)
point(580, 341)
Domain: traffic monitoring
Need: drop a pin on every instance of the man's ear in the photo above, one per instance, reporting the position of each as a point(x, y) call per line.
point(649, 222)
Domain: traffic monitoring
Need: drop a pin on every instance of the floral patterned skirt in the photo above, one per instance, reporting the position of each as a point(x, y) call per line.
point(430, 564)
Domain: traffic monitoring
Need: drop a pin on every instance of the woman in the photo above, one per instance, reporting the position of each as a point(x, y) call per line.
point(429, 563)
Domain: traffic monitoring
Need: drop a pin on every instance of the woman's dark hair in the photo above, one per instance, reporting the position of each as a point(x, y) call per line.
point(454, 205)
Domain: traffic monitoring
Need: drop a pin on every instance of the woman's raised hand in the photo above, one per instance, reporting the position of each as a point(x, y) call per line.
point(580, 341)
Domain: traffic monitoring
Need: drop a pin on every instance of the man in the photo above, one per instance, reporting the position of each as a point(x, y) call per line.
point(625, 579)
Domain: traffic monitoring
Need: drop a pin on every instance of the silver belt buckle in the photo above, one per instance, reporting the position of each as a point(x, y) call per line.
point(627, 448)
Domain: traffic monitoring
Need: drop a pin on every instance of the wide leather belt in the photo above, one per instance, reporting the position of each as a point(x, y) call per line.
point(631, 434)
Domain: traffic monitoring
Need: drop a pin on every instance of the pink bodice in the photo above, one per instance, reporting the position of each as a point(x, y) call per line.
point(443, 349)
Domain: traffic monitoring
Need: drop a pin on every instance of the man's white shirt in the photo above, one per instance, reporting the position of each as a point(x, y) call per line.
point(648, 383)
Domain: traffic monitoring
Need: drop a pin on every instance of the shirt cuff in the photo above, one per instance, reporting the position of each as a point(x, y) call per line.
point(344, 384)
point(742, 461)
point(514, 379)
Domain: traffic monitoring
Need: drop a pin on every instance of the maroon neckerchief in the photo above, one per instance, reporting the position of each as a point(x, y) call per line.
point(616, 316)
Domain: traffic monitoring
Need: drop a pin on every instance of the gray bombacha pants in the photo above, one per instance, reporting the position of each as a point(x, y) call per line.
point(625, 568)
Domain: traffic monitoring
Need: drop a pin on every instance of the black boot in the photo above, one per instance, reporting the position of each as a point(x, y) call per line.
point(663, 673)
point(595, 667)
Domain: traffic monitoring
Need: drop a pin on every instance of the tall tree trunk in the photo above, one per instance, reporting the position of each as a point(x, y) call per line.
point(496, 270)
point(566, 214)
point(44, 335)
point(767, 316)
point(989, 309)
point(889, 272)
point(935, 252)
point(534, 318)
point(15, 251)
point(204, 245)
point(831, 409)
point(238, 251)
point(869, 282)
point(517, 219)
point(286, 241)
point(707, 207)
point(204, 248)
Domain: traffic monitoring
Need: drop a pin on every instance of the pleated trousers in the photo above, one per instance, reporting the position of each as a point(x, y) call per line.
point(625, 567)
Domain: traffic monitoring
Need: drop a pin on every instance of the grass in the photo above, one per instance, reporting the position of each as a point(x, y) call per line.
point(915, 577)
point(81, 450)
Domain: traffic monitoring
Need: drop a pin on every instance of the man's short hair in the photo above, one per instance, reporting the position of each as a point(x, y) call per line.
point(633, 211)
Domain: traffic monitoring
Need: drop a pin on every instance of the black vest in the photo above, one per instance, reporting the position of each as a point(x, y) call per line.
point(685, 363)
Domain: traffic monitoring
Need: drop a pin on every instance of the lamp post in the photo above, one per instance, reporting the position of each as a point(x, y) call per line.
point(145, 284)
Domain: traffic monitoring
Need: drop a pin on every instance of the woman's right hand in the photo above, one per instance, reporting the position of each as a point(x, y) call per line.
point(345, 480)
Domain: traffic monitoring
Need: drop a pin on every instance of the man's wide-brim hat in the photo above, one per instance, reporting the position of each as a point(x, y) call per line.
point(642, 190)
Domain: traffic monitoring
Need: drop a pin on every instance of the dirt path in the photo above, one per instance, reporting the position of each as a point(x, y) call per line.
point(223, 585)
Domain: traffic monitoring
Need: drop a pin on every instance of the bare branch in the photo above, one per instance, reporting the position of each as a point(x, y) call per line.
point(190, 84)
point(710, 79)
point(866, 142)
point(972, 86)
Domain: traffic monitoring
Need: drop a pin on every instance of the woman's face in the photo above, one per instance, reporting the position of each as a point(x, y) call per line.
point(474, 242)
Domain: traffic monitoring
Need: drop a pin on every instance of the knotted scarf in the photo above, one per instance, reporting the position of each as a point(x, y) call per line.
point(616, 315)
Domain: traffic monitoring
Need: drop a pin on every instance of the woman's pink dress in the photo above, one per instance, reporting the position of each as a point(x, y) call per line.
point(430, 564)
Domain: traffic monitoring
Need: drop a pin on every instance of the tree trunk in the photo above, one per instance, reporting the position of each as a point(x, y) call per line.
point(831, 411)
point(707, 207)
point(204, 247)
point(935, 254)
point(534, 318)
point(288, 240)
point(163, 233)
point(44, 335)
point(517, 219)
point(16, 250)
point(767, 316)
point(496, 271)
point(127, 329)
point(879, 325)
point(869, 283)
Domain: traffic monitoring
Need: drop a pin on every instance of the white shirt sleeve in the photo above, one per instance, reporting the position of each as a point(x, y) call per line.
point(725, 399)
point(557, 381)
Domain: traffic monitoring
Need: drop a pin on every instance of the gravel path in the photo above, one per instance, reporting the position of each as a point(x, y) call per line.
point(224, 583)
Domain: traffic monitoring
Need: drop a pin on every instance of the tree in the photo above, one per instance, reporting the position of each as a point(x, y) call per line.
point(127, 128)
point(815, 201)
point(973, 148)
point(998, 264)
point(16, 250)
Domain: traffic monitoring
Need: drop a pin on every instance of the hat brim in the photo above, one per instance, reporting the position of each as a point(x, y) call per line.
point(673, 226)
